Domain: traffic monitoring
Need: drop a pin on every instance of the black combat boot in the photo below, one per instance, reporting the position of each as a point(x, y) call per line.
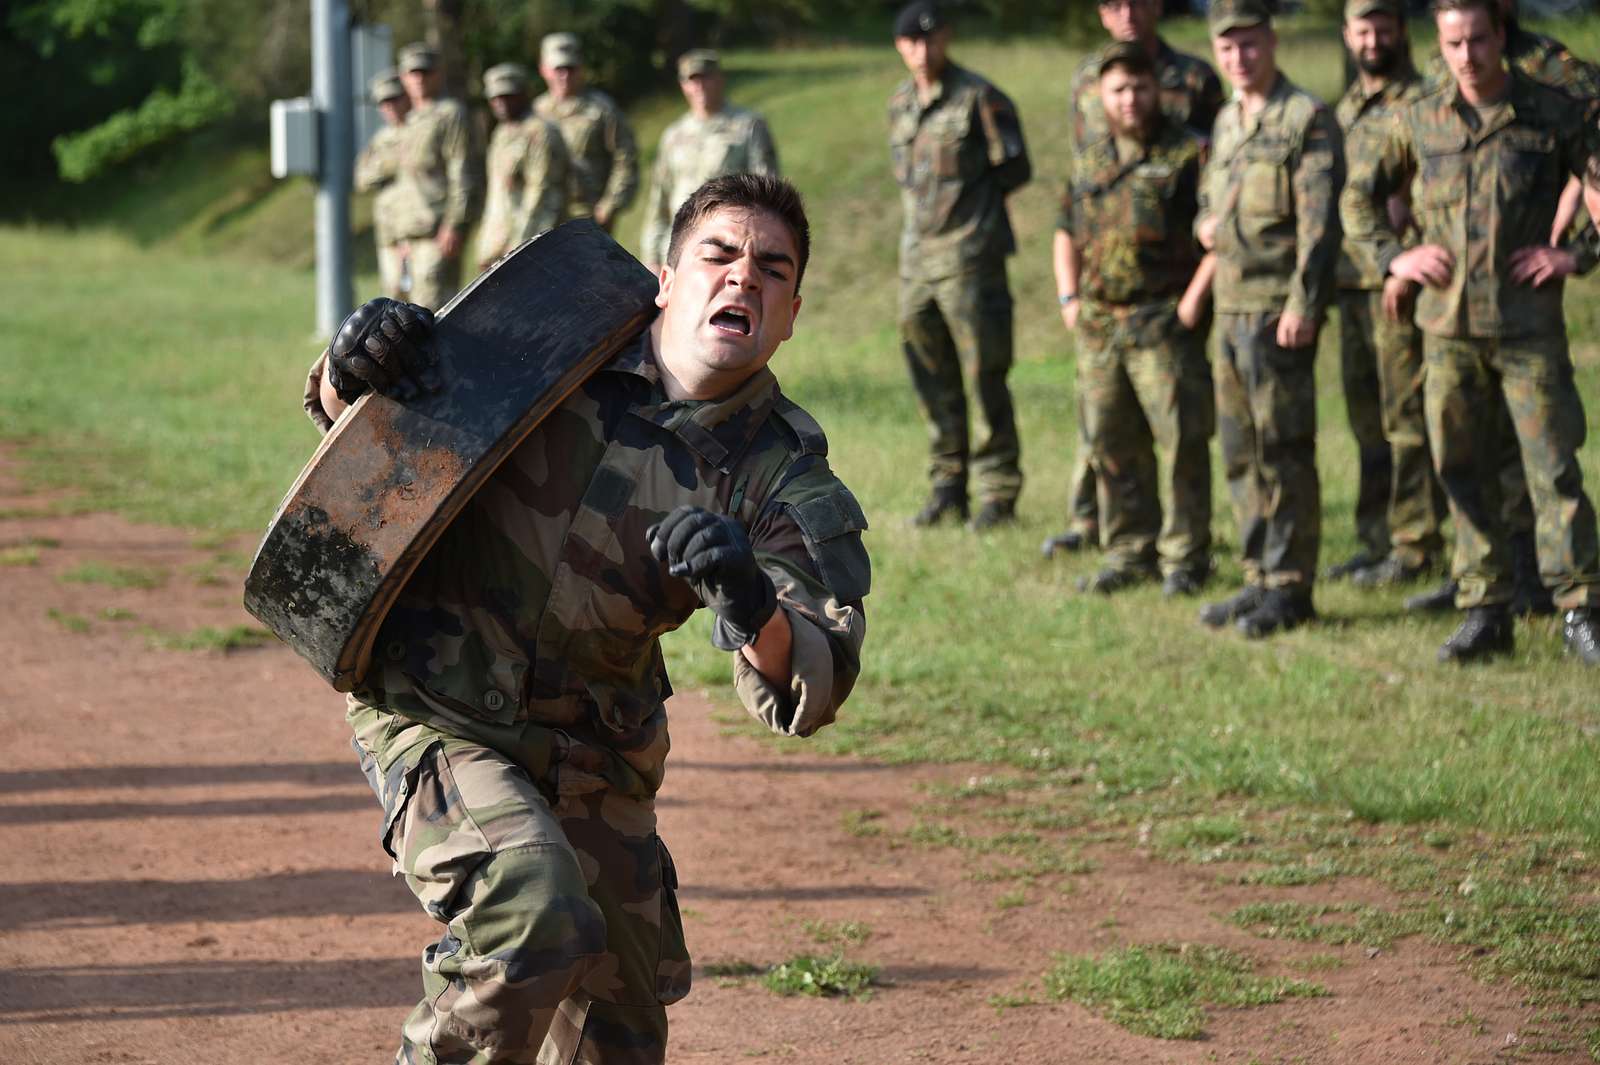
point(1357, 562)
point(994, 513)
point(1580, 630)
point(1070, 542)
point(1485, 632)
point(1389, 572)
point(1529, 596)
point(1185, 582)
point(1434, 600)
point(1235, 606)
point(1115, 578)
point(946, 504)
point(1281, 609)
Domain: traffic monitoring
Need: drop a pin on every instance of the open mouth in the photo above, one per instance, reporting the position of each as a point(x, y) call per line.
point(731, 320)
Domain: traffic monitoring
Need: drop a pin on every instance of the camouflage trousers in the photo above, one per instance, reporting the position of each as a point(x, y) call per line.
point(1083, 490)
point(394, 274)
point(434, 278)
point(1267, 426)
point(563, 942)
point(1470, 387)
point(1145, 396)
point(954, 328)
point(1399, 504)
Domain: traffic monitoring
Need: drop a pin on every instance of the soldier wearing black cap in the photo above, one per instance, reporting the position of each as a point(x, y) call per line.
point(957, 150)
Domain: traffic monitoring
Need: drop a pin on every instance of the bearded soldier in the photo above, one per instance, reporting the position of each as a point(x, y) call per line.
point(527, 167)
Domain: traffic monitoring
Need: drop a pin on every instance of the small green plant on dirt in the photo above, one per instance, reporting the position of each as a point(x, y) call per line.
point(1336, 924)
point(1291, 874)
point(117, 613)
point(1317, 963)
point(842, 933)
point(731, 973)
point(822, 975)
point(1162, 990)
point(71, 622)
point(1012, 900)
point(19, 555)
point(115, 576)
point(209, 638)
point(863, 824)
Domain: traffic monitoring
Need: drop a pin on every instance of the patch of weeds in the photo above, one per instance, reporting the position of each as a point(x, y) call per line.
point(223, 567)
point(939, 835)
point(117, 613)
point(1162, 990)
point(822, 975)
point(843, 933)
point(76, 623)
point(116, 576)
point(1290, 875)
point(1011, 1000)
point(1200, 833)
point(863, 824)
point(987, 787)
point(1470, 1021)
point(1439, 840)
point(731, 973)
point(1317, 963)
point(1064, 864)
point(1591, 1041)
point(209, 638)
point(212, 540)
point(19, 555)
point(1336, 924)
point(1012, 900)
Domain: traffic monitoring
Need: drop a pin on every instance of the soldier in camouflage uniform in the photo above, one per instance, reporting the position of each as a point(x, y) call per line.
point(956, 147)
point(527, 168)
point(1399, 506)
point(377, 166)
point(604, 171)
point(1138, 296)
point(1485, 158)
point(513, 724)
point(713, 139)
point(437, 192)
point(1191, 95)
point(1268, 208)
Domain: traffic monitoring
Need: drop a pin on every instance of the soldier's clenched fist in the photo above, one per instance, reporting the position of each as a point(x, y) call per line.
point(387, 346)
point(713, 553)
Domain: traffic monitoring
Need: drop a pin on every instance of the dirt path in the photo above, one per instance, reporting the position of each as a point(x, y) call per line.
point(189, 872)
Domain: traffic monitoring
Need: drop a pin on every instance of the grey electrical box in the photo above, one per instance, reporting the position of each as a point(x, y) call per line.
point(371, 52)
point(294, 138)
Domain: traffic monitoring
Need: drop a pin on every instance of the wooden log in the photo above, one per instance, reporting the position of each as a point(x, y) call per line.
point(390, 477)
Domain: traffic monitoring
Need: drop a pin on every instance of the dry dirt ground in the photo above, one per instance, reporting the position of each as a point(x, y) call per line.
point(190, 871)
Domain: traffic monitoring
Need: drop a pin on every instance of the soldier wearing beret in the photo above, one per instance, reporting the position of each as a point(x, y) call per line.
point(376, 171)
point(956, 147)
point(604, 171)
point(527, 167)
point(1191, 95)
point(1484, 157)
point(1268, 208)
point(713, 139)
point(439, 192)
point(1137, 303)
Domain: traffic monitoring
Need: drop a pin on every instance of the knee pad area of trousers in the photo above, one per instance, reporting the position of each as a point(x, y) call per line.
point(531, 911)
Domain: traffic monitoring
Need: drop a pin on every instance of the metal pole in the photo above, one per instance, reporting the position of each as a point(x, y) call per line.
point(330, 90)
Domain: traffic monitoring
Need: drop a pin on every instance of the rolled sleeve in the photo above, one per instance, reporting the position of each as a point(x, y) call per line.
point(817, 685)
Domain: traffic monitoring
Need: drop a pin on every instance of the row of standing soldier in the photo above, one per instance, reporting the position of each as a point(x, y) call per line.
point(569, 153)
point(1462, 187)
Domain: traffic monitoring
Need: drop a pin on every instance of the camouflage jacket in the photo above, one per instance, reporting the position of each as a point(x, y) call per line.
point(1272, 183)
point(955, 161)
point(377, 167)
point(692, 152)
point(438, 182)
point(1544, 59)
point(1362, 119)
point(527, 171)
point(604, 171)
point(1480, 193)
point(1191, 95)
point(539, 612)
point(1132, 220)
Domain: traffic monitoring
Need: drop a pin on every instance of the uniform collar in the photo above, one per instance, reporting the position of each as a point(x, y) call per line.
point(1516, 99)
point(1392, 88)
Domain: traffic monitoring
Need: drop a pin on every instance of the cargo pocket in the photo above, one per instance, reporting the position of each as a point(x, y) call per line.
point(673, 969)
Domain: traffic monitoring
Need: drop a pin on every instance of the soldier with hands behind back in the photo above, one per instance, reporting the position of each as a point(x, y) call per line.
point(956, 147)
point(527, 167)
point(1138, 304)
point(604, 171)
point(1485, 156)
point(514, 724)
point(377, 168)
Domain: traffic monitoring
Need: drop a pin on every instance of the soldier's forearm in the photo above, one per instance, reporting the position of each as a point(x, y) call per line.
point(772, 651)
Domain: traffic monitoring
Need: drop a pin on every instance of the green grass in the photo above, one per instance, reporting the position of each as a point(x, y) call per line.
point(19, 555)
point(837, 933)
point(115, 576)
point(210, 638)
point(76, 624)
point(1162, 990)
point(820, 976)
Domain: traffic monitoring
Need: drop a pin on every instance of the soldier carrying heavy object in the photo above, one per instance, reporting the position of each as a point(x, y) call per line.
point(1190, 95)
point(604, 171)
point(1485, 157)
point(1127, 252)
point(1268, 208)
point(956, 147)
point(514, 727)
point(527, 167)
point(713, 139)
point(377, 168)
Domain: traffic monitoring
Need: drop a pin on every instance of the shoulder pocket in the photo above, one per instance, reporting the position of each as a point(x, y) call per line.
point(832, 525)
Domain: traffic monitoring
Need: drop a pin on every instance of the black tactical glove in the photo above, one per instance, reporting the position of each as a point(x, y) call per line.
point(712, 553)
point(384, 345)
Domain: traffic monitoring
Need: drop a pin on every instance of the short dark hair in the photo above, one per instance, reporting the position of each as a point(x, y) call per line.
point(756, 192)
point(1490, 7)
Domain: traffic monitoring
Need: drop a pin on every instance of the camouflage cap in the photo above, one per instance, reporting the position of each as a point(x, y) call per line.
point(1354, 9)
point(918, 19)
point(1225, 15)
point(1130, 54)
point(561, 50)
point(385, 85)
point(698, 61)
point(417, 56)
point(505, 79)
